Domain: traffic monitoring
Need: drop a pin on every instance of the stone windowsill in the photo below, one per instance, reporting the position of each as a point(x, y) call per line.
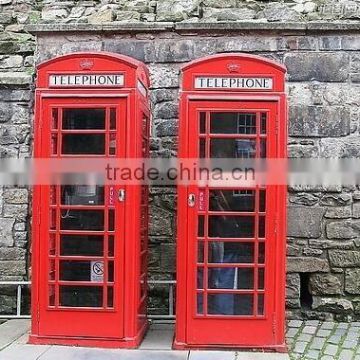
point(322, 26)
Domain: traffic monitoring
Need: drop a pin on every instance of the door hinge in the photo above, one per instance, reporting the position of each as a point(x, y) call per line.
point(274, 323)
point(38, 314)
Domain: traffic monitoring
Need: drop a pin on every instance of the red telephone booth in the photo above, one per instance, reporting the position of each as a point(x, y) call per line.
point(89, 244)
point(231, 247)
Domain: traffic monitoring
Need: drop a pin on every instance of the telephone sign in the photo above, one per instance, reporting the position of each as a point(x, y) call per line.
point(231, 239)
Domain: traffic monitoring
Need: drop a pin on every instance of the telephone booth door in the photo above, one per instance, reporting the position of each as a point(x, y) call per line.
point(231, 249)
point(88, 261)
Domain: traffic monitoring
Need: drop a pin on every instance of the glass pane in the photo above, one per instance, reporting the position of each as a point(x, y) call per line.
point(112, 119)
point(201, 225)
point(54, 144)
point(231, 252)
point(262, 198)
point(54, 119)
point(200, 303)
point(112, 144)
point(231, 278)
point(52, 220)
point(111, 245)
point(81, 245)
point(261, 282)
point(232, 123)
point(82, 195)
point(230, 304)
point(263, 123)
point(82, 220)
point(110, 297)
point(52, 270)
point(231, 226)
point(200, 251)
point(51, 295)
point(52, 196)
point(110, 271)
point(52, 244)
point(77, 144)
point(233, 148)
point(202, 151)
point(83, 119)
point(202, 125)
point(263, 148)
point(261, 259)
point(111, 219)
point(75, 270)
point(81, 296)
point(232, 200)
point(261, 226)
point(200, 278)
point(261, 304)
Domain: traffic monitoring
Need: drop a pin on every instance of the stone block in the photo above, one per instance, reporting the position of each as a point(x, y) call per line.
point(304, 199)
point(135, 49)
point(220, 3)
point(100, 17)
point(305, 221)
point(12, 253)
point(169, 51)
point(240, 14)
point(324, 67)
point(18, 212)
point(334, 305)
point(338, 212)
point(6, 236)
point(164, 76)
point(341, 258)
point(161, 95)
point(51, 14)
point(176, 10)
point(167, 128)
point(16, 196)
point(15, 95)
point(275, 11)
point(303, 151)
point(168, 257)
point(307, 265)
point(166, 110)
point(15, 78)
point(347, 229)
point(319, 121)
point(12, 268)
point(325, 284)
point(330, 42)
point(5, 18)
point(336, 199)
point(127, 16)
point(160, 222)
point(352, 281)
point(350, 43)
point(293, 286)
point(11, 61)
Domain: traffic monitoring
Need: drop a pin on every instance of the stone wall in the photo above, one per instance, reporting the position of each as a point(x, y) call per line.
point(323, 62)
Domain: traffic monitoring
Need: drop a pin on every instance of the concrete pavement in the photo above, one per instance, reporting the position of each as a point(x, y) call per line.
point(156, 346)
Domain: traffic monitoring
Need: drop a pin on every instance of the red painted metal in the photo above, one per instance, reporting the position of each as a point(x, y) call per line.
point(200, 326)
point(119, 320)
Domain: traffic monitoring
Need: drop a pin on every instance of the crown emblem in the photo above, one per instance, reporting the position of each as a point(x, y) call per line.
point(233, 67)
point(86, 64)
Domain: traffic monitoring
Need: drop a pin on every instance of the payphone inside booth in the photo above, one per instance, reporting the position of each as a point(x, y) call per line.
point(89, 244)
point(231, 247)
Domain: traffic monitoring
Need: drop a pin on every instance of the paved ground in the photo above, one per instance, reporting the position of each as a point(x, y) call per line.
point(324, 341)
point(306, 339)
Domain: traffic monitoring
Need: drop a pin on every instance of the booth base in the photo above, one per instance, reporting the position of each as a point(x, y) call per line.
point(268, 348)
point(110, 343)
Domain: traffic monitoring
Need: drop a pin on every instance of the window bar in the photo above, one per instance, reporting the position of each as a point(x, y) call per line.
point(18, 301)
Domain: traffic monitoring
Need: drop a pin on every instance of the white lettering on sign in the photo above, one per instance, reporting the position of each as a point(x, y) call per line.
point(97, 271)
point(256, 83)
point(86, 80)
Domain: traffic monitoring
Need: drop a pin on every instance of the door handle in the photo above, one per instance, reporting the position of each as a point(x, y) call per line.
point(121, 195)
point(191, 200)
